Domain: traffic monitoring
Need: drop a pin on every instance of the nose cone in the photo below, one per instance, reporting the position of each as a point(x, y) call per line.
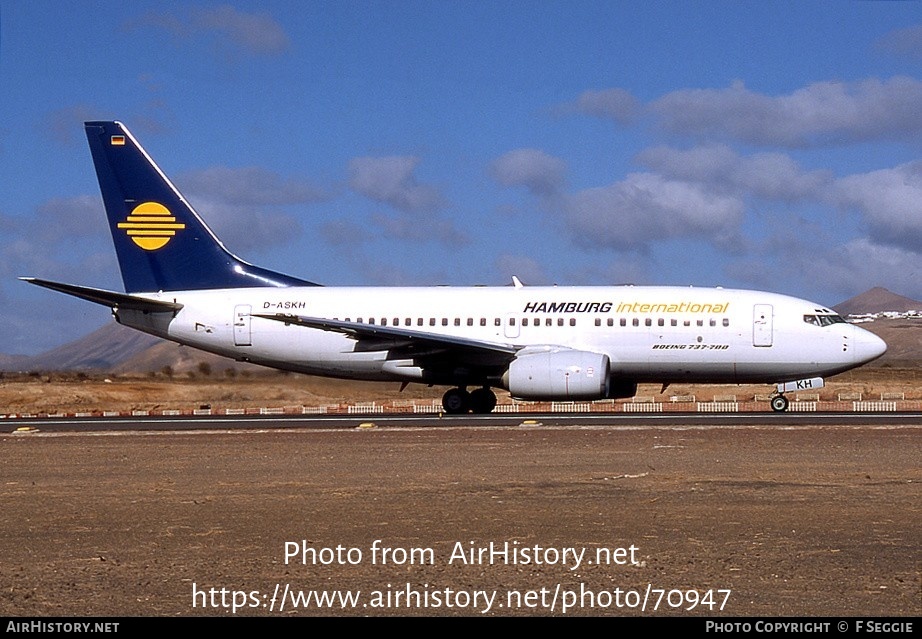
point(867, 346)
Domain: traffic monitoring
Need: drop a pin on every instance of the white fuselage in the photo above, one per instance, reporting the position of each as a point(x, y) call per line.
point(650, 334)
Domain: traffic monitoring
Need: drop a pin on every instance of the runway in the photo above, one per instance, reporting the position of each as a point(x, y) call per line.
point(673, 420)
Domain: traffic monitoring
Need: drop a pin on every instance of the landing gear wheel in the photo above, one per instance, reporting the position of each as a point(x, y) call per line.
point(483, 401)
point(456, 401)
point(779, 403)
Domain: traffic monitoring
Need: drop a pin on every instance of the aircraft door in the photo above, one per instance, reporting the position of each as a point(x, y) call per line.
point(242, 336)
point(762, 325)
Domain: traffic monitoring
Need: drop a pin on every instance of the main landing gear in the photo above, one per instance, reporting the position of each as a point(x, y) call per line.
point(457, 401)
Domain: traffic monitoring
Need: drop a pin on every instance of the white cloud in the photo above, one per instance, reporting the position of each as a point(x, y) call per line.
point(240, 204)
point(862, 264)
point(540, 173)
point(617, 105)
point(65, 125)
point(250, 186)
point(527, 269)
point(65, 236)
point(244, 228)
point(390, 180)
point(890, 200)
point(806, 255)
point(614, 271)
point(645, 207)
point(772, 176)
point(255, 33)
point(904, 42)
point(824, 113)
point(428, 228)
point(79, 217)
point(345, 233)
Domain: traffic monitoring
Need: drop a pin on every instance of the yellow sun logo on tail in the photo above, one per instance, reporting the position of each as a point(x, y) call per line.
point(150, 226)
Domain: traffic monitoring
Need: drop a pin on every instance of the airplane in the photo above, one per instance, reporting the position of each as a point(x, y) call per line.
point(550, 343)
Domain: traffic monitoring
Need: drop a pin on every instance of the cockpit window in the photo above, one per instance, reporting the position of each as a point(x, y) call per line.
point(823, 320)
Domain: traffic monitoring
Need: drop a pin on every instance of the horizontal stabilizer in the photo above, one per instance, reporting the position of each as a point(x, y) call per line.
point(108, 298)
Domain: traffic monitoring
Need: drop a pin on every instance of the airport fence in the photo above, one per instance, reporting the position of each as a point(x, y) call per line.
point(637, 405)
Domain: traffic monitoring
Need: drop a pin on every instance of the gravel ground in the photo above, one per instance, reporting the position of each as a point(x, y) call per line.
point(812, 522)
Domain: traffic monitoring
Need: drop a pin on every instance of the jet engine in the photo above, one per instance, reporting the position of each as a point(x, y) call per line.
point(558, 375)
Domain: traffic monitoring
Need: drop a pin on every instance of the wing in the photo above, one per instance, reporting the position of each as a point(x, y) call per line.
point(430, 350)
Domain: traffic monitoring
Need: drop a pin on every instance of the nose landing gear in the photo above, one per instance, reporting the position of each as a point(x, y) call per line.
point(779, 403)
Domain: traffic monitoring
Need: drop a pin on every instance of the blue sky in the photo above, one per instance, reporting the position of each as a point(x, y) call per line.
point(769, 145)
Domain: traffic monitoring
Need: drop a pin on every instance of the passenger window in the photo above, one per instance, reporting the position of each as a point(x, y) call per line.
point(611, 321)
point(661, 322)
point(431, 321)
point(572, 321)
point(598, 321)
point(623, 321)
point(497, 322)
point(483, 321)
point(559, 321)
point(444, 321)
point(726, 321)
point(636, 322)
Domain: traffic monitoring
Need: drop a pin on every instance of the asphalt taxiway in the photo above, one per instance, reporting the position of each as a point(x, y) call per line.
point(405, 420)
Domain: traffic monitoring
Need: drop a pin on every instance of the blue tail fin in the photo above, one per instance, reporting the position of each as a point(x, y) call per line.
point(161, 242)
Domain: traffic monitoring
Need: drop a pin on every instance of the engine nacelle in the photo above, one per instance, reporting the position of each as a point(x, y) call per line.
point(562, 375)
